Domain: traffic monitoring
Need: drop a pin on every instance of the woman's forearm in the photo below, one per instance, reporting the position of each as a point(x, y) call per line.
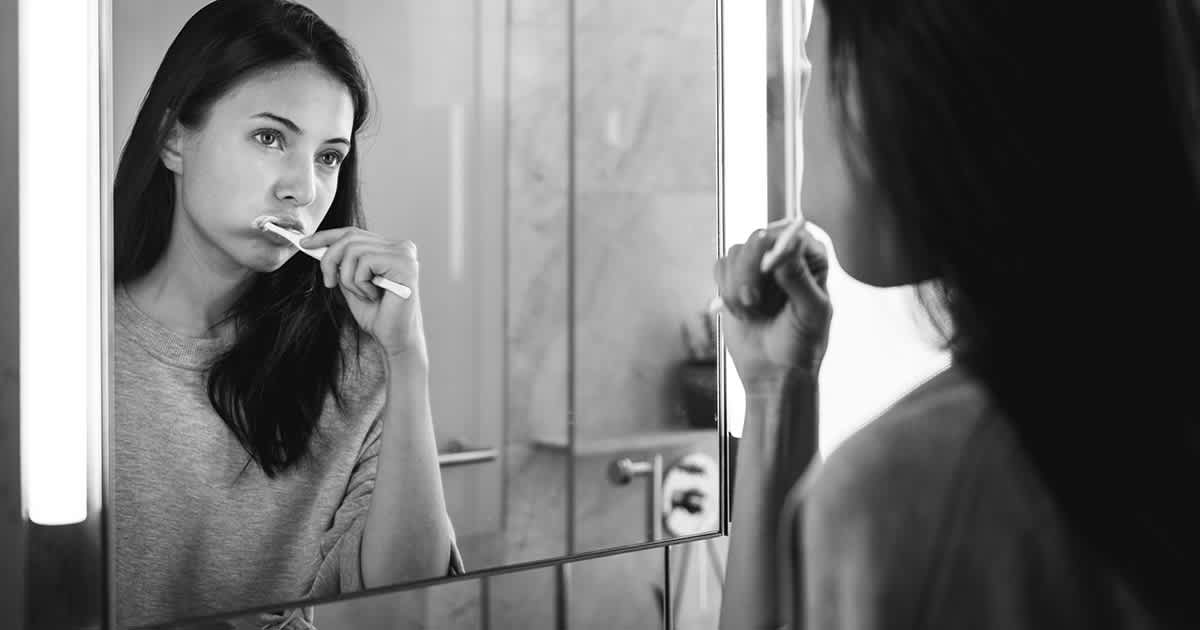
point(779, 440)
point(407, 534)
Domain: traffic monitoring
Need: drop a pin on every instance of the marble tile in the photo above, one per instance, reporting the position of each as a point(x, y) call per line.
point(454, 605)
point(671, 18)
point(695, 582)
point(645, 111)
point(537, 326)
point(525, 599)
point(536, 518)
point(537, 102)
point(539, 12)
point(537, 237)
point(643, 267)
point(619, 591)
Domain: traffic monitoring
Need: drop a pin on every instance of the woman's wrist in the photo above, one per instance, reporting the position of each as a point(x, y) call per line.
point(781, 419)
point(780, 382)
point(408, 366)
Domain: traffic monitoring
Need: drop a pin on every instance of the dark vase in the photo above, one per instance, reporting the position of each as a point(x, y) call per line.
point(697, 382)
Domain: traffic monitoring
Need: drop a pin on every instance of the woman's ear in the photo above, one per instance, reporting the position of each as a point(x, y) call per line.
point(172, 149)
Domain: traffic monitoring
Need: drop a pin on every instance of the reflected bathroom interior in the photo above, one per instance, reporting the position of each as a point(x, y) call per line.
point(555, 161)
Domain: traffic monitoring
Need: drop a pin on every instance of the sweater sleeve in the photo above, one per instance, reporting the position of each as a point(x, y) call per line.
point(340, 567)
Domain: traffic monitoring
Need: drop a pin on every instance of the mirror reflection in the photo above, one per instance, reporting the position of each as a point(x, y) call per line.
point(625, 590)
point(405, 289)
point(274, 436)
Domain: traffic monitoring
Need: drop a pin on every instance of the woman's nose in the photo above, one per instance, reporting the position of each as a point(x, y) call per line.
point(297, 184)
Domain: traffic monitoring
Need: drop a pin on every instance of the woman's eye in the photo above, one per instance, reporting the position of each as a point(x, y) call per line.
point(267, 138)
point(331, 159)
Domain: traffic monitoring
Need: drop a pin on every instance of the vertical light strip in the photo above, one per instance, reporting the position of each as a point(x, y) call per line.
point(59, 270)
point(745, 97)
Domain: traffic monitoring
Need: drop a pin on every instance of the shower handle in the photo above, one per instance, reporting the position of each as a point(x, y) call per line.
point(623, 470)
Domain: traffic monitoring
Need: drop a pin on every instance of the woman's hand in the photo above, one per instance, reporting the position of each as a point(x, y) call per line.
point(355, 256)
point(776, 323)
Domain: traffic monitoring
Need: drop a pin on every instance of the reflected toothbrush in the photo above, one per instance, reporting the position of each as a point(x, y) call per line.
point(265, 224)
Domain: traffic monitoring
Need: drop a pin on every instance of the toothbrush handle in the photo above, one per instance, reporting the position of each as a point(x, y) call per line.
point(394, 287)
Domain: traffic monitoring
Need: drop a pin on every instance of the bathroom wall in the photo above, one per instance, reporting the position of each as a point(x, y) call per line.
point(12, 528)
point(645, 204)
point(640, 220)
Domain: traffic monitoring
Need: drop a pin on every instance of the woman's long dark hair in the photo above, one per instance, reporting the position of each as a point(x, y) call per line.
point(1038, 157)
point(270, 386)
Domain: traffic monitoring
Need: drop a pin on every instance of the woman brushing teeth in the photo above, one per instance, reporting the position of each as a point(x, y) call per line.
point(273, 437)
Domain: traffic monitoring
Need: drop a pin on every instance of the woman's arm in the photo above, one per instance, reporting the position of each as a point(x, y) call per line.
point(778, 444)
point(776, 325)
point(407, 533)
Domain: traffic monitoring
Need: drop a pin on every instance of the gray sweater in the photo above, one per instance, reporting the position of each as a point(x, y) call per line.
point(932, 517)
point(197, 531)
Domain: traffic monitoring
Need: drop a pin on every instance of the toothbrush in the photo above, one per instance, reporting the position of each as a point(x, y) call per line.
point(784, 243)
point(266, 225)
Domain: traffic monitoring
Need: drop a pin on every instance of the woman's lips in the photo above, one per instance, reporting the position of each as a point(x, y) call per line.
point(287, 223)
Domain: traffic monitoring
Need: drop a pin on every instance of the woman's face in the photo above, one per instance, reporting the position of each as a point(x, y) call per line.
point(837, 192)
point(272, 145)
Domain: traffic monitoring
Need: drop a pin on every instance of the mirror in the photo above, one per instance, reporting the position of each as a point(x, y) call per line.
point(555, 164)
point(620, 591)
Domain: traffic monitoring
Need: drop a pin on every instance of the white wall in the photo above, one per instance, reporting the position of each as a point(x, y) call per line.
point(880, 347)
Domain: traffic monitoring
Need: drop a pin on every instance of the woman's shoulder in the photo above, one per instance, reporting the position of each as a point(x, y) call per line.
point(939, 469)
point(915, 445)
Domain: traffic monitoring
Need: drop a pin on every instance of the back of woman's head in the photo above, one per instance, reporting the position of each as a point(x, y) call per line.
point(1039, 161)
point(270, 387)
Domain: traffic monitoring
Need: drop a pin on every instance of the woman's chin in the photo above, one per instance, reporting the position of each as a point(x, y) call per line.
point(270, 261)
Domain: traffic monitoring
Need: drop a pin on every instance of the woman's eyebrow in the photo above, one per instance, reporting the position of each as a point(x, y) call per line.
point(293, 126)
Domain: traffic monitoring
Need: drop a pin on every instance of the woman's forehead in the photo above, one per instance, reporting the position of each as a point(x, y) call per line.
point(314, 100)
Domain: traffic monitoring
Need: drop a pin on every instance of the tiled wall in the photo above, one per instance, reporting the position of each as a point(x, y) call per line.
point(645, 205)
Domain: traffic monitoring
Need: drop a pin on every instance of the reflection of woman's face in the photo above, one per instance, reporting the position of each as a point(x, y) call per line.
point(271, 146)
point(843, 200)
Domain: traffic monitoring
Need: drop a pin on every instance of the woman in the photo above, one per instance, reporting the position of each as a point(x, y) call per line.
point(998, 153)
point(273, 436)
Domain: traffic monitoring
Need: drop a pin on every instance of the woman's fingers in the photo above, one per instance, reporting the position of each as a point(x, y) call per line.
point(397, 263)
point(363, 261)
point(333, 260)
point(726, 286)
point(803, 273)
point(746, 274)
point(739, 278)
point(354, 257)
point(326, 238)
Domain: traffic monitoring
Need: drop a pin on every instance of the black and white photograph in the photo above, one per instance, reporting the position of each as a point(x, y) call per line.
point(596, 314)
